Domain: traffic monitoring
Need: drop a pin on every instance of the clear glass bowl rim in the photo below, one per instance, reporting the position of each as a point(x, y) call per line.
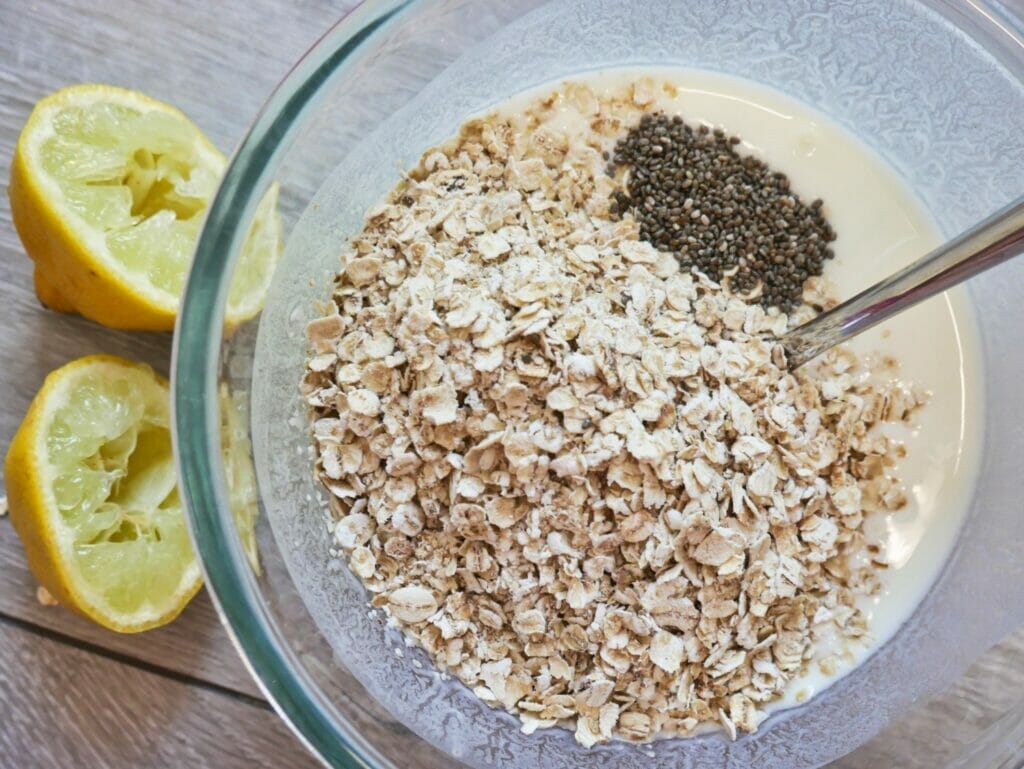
point(195, 366)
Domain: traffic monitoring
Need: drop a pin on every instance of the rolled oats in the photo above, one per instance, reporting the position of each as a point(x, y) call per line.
point(580, 479)
point(412, 603)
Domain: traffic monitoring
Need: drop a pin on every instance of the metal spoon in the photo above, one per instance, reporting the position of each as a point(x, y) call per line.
point(993, 241)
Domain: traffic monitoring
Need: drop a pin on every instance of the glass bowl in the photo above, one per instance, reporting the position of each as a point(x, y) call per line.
point(934, 87)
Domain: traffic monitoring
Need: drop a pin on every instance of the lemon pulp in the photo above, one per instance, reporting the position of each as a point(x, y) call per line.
point(108, 448)
point(108, 191)
point(239, 473)
point(137, 178)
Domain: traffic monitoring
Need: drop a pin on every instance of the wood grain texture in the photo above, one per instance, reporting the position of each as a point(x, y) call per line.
point(218, 62)
point(89, 712)
point(193, 646)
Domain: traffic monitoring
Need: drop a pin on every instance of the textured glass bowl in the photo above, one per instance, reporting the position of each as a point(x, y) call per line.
point(935, 87)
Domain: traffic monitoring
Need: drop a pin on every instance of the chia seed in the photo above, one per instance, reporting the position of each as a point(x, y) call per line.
point(727, 215)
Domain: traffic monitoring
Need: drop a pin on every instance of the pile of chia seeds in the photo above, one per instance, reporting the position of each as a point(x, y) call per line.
point(695, 196)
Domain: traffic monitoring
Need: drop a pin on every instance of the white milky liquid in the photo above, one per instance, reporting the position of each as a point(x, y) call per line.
point(881, 227)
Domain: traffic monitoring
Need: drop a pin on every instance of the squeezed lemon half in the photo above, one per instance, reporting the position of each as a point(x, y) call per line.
point(108, 192)
point(92, 492)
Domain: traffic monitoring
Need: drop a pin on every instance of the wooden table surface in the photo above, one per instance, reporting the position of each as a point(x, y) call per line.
point(73, 694)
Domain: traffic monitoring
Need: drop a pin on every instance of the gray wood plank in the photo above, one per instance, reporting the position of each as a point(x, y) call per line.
point(64, 708)
point(194, 645)
point(216, 61)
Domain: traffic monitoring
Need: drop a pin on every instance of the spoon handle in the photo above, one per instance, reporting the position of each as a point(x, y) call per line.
point(985, 245)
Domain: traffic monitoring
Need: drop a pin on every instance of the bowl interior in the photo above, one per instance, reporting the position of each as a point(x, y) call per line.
point(935, 92)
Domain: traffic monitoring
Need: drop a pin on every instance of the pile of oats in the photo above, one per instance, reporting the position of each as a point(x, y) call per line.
point(578, 477)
